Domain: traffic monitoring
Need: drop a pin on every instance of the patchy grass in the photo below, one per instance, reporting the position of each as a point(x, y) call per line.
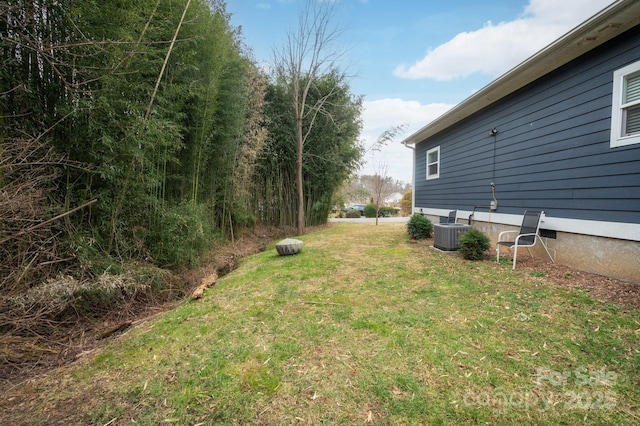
point(363, 326)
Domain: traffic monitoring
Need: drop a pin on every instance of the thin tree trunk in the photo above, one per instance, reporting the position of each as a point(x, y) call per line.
point(299, 180)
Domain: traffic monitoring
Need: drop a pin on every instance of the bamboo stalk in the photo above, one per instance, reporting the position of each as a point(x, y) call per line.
point(166, 59)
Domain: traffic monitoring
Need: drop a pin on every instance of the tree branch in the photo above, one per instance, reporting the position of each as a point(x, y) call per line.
point(41, 224)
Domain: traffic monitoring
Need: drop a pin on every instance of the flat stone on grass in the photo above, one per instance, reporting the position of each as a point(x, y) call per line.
point(289, 246)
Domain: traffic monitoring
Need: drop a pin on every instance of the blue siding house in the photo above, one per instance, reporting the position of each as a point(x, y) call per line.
point(558, 133)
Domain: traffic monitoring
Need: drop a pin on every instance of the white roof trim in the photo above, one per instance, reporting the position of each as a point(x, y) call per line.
point(600, 28)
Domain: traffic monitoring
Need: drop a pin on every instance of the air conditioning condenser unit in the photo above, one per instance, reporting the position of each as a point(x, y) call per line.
point(445, 235)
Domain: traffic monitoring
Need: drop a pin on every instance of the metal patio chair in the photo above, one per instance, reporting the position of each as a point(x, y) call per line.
point(527, 236)
point(452, 216)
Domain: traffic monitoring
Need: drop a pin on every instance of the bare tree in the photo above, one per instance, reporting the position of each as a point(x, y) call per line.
point(382, 186)
point(388, 135)
point(308, 54)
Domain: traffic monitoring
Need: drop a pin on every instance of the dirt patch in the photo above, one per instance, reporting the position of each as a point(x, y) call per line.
point(605, 289)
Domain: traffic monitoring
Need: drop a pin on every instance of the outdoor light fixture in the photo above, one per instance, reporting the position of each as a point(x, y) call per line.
point(493, 132)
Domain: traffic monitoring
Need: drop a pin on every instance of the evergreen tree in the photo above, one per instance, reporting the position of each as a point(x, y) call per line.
point(331, 153)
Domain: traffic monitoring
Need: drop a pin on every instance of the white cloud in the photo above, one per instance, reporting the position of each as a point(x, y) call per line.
point(567, 12)
point(381, 115)
point(495, 48)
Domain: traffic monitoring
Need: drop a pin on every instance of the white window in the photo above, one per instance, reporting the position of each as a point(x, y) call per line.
point(625, 109)
point(433, 163)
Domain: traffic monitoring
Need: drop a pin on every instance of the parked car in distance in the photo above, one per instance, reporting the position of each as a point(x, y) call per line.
point(359, 207)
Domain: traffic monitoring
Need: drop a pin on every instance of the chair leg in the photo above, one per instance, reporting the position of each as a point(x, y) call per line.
point(515, 255)
point(547, 250)
point(497, 253)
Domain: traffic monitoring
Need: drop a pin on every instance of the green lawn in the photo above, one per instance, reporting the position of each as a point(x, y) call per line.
point(363, 326)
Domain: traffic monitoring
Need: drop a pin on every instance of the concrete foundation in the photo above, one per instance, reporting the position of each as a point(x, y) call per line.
point(610, 257)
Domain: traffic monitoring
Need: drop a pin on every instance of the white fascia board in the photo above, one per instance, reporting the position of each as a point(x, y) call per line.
point(618, 230)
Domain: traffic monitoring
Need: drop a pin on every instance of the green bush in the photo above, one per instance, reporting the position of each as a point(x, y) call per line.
point(184, 233)
point(370, 210)
point(242, 218)
point(353, 214)
point(388, 211)
point(419, 227)
point(473, 244)
point(406, 203)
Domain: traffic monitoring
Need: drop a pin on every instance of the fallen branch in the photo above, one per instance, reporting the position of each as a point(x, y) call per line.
point(206, 283)
point(20, 350)
point(41, 224)
point(307, 302)
point(115, 329)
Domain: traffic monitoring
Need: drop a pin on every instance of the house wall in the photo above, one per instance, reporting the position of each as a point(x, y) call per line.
point(551, 151)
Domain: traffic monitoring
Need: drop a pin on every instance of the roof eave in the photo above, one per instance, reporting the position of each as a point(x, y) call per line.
point(602, 27)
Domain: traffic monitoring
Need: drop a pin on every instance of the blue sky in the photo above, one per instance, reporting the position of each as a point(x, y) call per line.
point(412, 60)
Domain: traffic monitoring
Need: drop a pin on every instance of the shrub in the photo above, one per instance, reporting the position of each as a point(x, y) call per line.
point(406, 203)
point(388, 211)
point(370, 210)
point(242, 218)
point(473, 244)
point(353, 214)
point(419, 227)
point(184, 232)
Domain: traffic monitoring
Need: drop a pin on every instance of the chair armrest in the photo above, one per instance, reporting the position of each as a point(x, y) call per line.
point(506, 232)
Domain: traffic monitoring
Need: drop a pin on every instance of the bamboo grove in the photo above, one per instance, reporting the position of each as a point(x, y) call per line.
point(143, 130)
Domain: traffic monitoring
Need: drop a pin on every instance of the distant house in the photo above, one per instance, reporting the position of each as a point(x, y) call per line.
point(559, 133)
point(393, 199)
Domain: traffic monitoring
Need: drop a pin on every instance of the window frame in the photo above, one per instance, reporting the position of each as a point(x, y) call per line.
point(617, 138)
point(437, 162)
